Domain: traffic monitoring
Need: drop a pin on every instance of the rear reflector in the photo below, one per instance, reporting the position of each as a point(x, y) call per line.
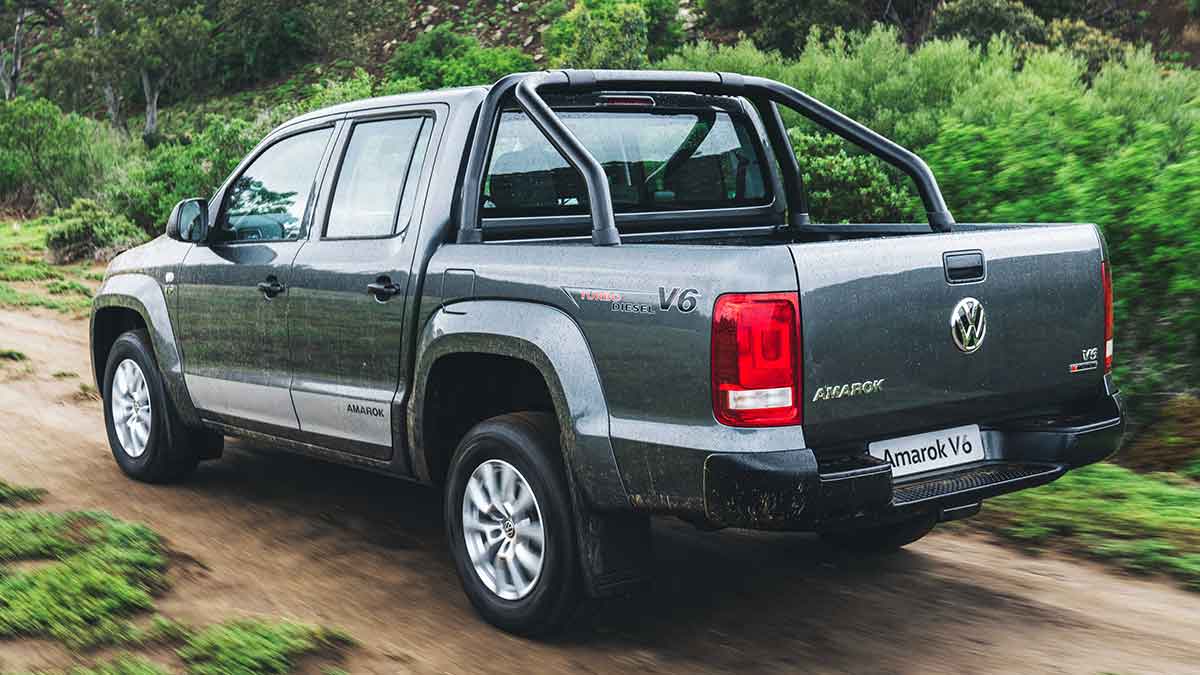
point(756, 359)
point(1106, 277)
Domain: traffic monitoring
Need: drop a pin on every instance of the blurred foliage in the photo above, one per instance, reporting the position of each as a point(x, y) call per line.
point(614, 33)
point(447, 57)
point(1143, 523)
point(105, 569)
point(980, 20)
point(256, 646)
point(13, 494)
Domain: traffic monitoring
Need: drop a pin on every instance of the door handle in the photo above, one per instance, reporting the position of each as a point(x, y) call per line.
point(271, 287)
point(383, 289)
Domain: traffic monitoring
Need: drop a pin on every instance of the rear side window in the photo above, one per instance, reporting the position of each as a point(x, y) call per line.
point(378, 176)
point(660, 160)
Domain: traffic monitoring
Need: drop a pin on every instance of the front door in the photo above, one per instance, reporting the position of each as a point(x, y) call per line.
point(351, 283)
point(234, 288)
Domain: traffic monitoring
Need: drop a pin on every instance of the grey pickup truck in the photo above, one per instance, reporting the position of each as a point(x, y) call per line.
point(578, 299)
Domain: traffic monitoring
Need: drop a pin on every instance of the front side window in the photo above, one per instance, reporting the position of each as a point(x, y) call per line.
point(267, 201)
point(381, 159)
point(661, 160)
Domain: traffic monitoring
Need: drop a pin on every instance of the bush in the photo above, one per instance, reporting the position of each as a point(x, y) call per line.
point(786, 25)
point(445, 57)
point(614, 33)
point(844, 187)
point(599, 35)
point(980, 20)
point(85, 230)
point(48, 154)
point(1090, 44)
point(153, 183)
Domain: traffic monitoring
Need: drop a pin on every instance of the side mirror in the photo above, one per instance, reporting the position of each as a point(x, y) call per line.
point(189, 221)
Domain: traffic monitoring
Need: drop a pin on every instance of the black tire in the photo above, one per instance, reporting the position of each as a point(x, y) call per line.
point(529, 442)
point(882, 539)
point(171, 449)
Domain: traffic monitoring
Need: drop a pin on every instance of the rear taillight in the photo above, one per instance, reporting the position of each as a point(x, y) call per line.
point(1106, 277)
point(756, 359)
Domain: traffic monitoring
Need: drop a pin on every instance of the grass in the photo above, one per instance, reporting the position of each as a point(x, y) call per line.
point(1141, 522)
point(12, 355)
point(255, 646)
point(100, 573)
point(68, 287)
point(105, 571)
point(22, 245)
point(13, 494)
point(63, 375)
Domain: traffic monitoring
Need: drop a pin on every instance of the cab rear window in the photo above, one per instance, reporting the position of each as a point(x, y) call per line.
point(656, 160)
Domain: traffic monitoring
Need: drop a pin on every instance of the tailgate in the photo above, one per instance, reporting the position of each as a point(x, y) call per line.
point(880, 355)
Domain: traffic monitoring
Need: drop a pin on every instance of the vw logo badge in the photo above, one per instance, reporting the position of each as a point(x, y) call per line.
point(968, 325)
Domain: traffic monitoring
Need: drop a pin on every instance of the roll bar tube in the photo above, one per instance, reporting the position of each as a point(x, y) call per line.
point(764, 93)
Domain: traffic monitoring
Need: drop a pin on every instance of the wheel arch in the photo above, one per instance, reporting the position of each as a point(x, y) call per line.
point(530, 341)
point(132, 301)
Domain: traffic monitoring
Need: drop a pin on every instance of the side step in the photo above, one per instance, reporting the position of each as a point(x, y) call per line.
point(976, 483)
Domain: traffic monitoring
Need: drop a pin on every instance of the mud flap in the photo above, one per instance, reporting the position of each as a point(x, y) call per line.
point(615, 549)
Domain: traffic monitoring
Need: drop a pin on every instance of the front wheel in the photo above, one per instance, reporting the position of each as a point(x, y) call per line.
point(509, 523)
point(147, 438)
point(881, 539)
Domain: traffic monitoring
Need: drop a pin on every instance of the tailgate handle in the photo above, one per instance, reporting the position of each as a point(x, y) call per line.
point(964, 266)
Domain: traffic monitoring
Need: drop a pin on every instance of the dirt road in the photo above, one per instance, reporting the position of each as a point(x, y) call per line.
point(265, 533)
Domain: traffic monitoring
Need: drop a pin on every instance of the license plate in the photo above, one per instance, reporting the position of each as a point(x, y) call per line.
point(931, 450)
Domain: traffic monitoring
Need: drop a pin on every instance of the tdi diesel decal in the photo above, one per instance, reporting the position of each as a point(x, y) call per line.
point(635, 302)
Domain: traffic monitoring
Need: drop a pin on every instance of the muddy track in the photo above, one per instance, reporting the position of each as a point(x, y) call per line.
point(266, 533)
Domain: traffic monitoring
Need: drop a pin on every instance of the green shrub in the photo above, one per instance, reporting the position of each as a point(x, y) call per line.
point(84, 230)
point(153, 183)
point(980, 20)
point(787, 25)
point(48, 154)
point(614, 33)
point(849, 187)
point(1090, 44)
point(446, 57)
point(599, 35)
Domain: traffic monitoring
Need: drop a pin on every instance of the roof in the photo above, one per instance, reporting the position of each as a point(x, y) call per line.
point(451, 96)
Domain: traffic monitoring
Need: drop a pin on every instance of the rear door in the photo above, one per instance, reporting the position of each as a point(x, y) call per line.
point(908, 334)
point(351, 283)
point(234, 289)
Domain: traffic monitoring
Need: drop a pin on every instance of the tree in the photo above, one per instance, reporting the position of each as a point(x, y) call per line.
point(166, 39)
point(24, 16)
point(118, 47)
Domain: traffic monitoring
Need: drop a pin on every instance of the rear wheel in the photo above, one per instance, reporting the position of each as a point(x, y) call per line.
point(509, 523)
point(147, 438)
point(881, 539)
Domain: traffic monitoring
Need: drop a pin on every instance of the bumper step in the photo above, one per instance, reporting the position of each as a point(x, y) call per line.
point(976, 483)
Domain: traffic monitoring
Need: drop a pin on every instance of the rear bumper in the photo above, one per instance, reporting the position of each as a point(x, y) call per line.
point(795, 490)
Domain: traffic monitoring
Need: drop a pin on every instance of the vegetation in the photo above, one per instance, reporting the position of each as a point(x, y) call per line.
point(13, 494)
point(257, 647)
point(101, 573)
point(1143, 523)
